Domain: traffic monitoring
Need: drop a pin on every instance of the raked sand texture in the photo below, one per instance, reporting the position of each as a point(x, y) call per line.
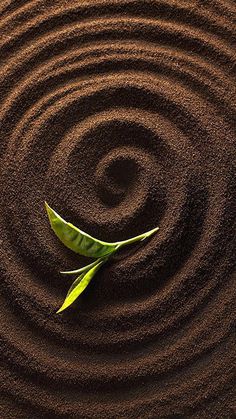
point(120, 114)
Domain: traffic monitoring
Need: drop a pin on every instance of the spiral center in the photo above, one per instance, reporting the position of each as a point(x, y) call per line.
point(116, 175)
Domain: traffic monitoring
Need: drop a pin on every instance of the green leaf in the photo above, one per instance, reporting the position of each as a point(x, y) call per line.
point(76, 239)
point(79, 286)
point(84, 244)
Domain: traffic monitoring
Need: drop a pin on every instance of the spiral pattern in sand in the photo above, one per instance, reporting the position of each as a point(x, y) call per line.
point(121, 115)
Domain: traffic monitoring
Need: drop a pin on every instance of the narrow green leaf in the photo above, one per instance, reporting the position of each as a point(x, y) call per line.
point(76, 239)
point(79, 286)
point(83, 269)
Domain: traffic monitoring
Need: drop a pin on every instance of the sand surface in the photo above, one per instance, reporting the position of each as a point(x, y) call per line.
point(121, 115)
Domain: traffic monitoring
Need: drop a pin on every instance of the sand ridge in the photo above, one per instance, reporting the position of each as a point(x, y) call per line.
point(121, 114)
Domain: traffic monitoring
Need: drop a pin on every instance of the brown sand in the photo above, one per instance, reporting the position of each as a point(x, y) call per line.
point(121, 115)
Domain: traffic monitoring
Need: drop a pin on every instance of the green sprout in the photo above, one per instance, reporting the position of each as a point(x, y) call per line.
point(86, 245)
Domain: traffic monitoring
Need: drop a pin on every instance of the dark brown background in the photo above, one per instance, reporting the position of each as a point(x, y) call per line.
point(121, 115)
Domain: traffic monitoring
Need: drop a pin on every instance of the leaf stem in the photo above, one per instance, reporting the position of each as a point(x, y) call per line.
point(80, 270)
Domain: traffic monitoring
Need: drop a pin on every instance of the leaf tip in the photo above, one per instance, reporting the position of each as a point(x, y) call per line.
point(46, 205)
point(60, 310)
point(48, 209)
point(151, 232)
point(154, 230)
